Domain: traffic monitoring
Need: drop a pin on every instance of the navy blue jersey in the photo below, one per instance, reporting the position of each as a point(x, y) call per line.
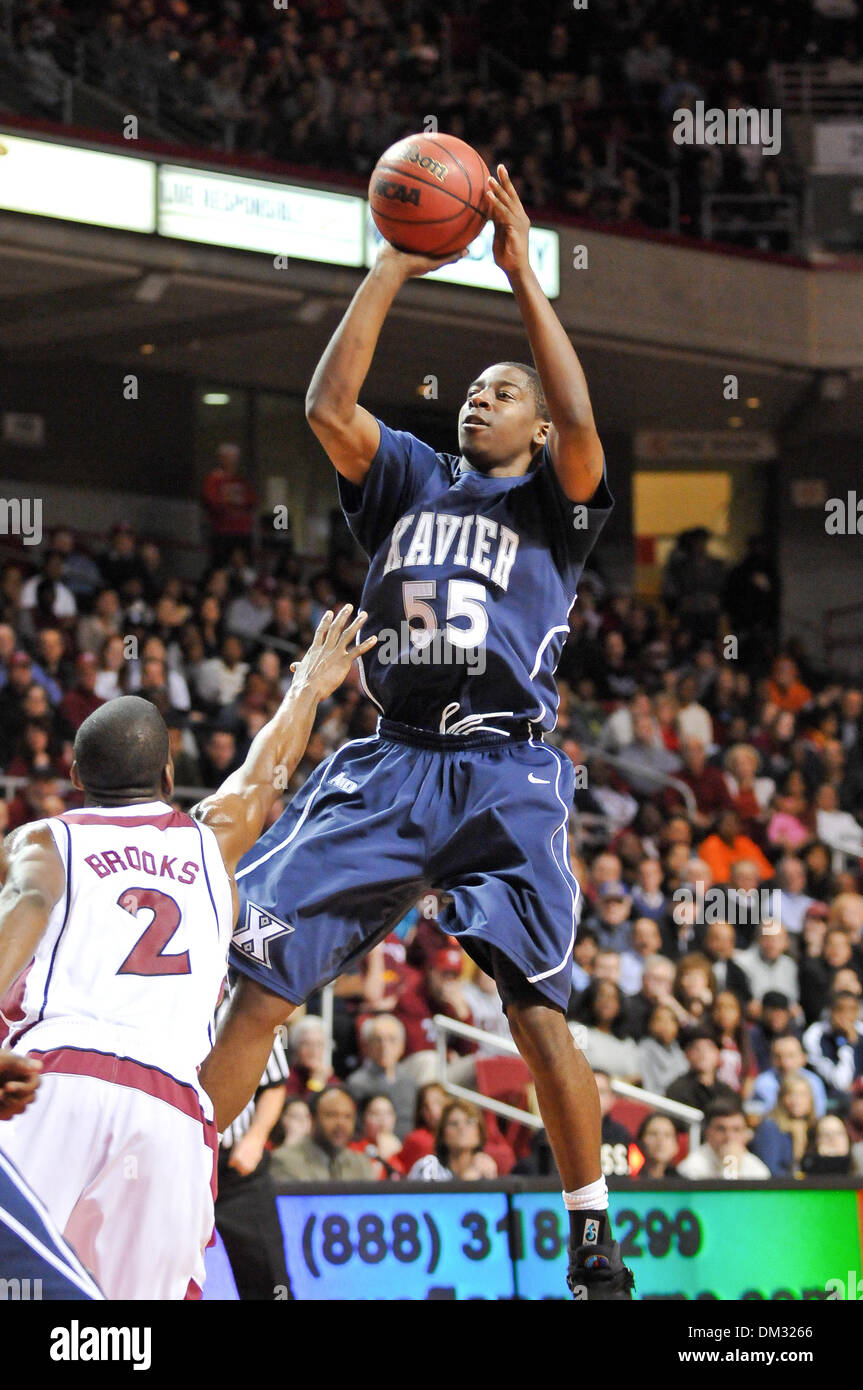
point(470, 584)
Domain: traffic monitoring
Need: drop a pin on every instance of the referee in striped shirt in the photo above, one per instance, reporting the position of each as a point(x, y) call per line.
point(246, 1216)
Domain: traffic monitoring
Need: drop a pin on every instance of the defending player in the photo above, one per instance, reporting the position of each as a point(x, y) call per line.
point(115, 922)
point(474, 567)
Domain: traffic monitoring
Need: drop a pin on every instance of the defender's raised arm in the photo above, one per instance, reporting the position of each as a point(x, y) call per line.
point(237, 811)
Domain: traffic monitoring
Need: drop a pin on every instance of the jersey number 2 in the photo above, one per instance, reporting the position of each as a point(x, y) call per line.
point(147, 955)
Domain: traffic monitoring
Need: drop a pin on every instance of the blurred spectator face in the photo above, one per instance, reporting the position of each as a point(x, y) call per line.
point(787, 1055)
point(663, 1025)
point(698, 871)
point(728, 827)
point(831, 1137)
point(852, 704)
point(86, 672)
point(269, 667)
point(113, 654)
point(232, 651)
point(461, 1132)
point(4, 817)
point(335, 1120)
point(693, 755)
point(728, 1135)
point(775, 1019)
point(837, 948)
point(297, 1121)
point(221, 749)
point(228, 458)
point(676, 861)
point(614, 910)
point(606, 1004)
point(606, 868)
point(659, 1140)
point(678, 831)
point(434, 1098)
point(826, 798)
point(584, 952)
point(650, 875)
point(719, 940)
point(107, 604)
point(607, 966)
point(211, 609)
point(606, 1095)
point(772, 940)
point(793, 875)
point(848, 912)
point(35, 703)
point(50, 646)
point(814, 933)
point(175, 740)
point(379, 1118)
point(702, 1054)
point(658, 979)
point(726, 1011)
point(20, 672)
point(646, 938)
point(843, 1014)
point(795, 1094)
point(848, 982)
point(7, 642)
point(642, 728)
point(53, 805)
point(153, 673)
point(744, 875)
point(384, 1042)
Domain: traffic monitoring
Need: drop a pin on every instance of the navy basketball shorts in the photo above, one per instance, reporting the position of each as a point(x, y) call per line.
point(482, 820)
point(34, 1257)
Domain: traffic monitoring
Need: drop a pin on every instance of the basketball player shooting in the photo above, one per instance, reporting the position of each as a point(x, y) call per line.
point(476, 556)
point(114, 929)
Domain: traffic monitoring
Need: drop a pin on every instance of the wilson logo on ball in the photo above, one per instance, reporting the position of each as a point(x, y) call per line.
point(413, 154)
point(398, 192)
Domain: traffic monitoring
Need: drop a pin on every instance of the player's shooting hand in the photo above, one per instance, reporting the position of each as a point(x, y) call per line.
point(406, 265)
point(19, 1080)
point(511, 223)
point(333, 652)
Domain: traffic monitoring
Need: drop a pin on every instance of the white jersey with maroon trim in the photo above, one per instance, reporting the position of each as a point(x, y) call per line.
point(133, 958)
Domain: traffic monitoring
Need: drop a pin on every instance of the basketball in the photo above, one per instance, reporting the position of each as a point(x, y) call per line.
point(427, 194)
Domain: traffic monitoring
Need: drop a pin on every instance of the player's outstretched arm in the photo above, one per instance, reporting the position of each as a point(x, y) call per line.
point(575, 447)
point(34, 883)
point(237, 811)
point(348, 432)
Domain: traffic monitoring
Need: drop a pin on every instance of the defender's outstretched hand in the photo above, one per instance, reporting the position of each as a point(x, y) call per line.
point(511, 223)
point(332, 653)
point(19, 1079)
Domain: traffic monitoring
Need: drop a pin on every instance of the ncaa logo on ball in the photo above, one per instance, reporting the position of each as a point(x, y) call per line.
point(398, 192)
point(411, 153)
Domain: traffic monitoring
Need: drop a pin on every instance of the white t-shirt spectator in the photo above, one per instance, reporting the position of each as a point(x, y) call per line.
point(64, 600)
point(706, 1163)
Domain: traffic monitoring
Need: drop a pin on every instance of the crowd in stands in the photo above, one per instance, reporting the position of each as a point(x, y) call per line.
point(579, 101)
point(716, 832)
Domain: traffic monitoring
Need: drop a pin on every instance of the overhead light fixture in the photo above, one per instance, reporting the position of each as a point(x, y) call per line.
point(147, 349)
point(735, 422)
point(215, 398)
point(834, 386)
point(753, 402)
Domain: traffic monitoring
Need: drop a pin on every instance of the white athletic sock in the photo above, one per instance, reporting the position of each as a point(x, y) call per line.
point(594, 1197)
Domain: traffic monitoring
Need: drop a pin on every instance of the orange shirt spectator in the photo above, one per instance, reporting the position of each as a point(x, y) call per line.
point(785, 688)
point(726, 846)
